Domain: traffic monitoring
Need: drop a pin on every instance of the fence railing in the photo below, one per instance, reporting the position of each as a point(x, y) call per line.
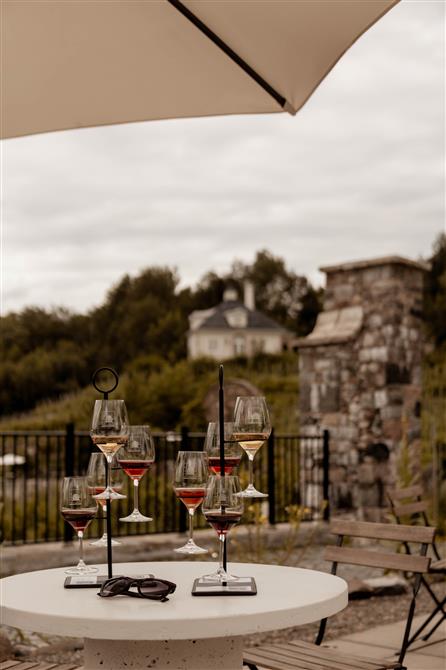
point(292, 469)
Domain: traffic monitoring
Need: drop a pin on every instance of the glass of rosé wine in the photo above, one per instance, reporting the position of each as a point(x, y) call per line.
point(191, 474)
point(233, 452)
point(136, 458)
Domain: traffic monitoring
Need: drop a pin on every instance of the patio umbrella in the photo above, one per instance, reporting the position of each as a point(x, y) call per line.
point(79, 63)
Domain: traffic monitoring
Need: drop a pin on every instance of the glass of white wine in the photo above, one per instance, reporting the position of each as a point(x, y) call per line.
point(109, 431)
point(252, 427)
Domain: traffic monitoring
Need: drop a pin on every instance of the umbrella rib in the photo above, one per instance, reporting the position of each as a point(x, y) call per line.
point(283, 102)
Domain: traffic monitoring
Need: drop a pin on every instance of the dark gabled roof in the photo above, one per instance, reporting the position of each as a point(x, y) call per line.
point(255, 319)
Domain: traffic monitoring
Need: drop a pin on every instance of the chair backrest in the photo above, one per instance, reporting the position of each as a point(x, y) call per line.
point(385, 558)
point(408, 503)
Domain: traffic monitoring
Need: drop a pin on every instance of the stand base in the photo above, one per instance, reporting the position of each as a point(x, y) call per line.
point(243, 586)
point(223, 653)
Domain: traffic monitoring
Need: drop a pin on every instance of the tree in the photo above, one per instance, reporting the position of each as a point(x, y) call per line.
point(435, 293)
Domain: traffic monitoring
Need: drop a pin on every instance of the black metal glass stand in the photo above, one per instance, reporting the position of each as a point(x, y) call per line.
point(244, 586)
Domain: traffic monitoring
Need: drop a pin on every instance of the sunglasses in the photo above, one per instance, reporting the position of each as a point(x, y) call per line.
point(148, 587)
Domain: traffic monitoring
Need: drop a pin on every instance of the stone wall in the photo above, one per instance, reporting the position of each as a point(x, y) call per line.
point(361, 378)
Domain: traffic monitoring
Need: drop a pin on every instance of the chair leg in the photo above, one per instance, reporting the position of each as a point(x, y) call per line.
point(434, 628)
point(427, 621)
point(433, 595)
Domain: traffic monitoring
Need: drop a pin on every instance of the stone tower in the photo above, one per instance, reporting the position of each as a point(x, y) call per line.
point(360, 374)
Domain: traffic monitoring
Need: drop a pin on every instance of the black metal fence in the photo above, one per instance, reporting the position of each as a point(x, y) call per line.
point(292, 469)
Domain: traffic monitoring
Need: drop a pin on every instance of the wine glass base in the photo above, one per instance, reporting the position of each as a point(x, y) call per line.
point(191, 548)
point(136, 517)
point(87, 570)
point(109, 494)
point(220, 576)
point(102, 542)
point(251, 492)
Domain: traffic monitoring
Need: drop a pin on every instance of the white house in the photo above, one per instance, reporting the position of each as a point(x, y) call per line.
point(234, 328)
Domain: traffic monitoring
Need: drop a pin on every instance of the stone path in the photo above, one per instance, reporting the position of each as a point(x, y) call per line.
point(382, 641)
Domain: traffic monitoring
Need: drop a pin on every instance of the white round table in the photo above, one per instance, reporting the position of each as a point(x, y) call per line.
point(185, 633)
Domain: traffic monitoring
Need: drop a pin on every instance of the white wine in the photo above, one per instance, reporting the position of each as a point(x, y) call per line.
point(109, 444)
point(250, 442)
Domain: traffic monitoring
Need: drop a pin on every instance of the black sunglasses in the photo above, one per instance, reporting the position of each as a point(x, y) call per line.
point(148, 587)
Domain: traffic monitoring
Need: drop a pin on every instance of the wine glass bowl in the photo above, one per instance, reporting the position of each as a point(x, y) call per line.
point(232, 451)
point(191, 474)
point(109, 432)
point(78, 508)
point(135, 458)
point(252, 427)
point(223, 509)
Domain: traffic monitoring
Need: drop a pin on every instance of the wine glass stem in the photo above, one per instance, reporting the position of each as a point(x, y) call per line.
point(191, 524)
point(135, 497)
point(222, 539)
point(251, 469)
point(80, 535)
point(107, 471)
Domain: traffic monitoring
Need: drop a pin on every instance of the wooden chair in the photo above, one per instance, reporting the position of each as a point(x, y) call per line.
point(14, 664)
point(409, 503)
point(306, 656)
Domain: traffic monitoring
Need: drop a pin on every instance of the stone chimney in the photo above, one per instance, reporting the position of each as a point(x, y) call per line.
point(230, 295)
point(249, 295)
point(360, 374)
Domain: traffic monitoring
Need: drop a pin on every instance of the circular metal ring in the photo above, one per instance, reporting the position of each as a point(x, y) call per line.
point(95, 374)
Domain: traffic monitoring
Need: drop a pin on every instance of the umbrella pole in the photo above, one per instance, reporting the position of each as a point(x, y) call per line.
point(221, 418)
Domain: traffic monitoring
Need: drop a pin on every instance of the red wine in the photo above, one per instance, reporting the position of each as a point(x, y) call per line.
point(135, 468)
point(231, 462)
point(79, 518)
point(222, 521)
point(190, 496)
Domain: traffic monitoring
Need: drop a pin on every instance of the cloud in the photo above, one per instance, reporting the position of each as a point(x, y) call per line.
point(359, 172)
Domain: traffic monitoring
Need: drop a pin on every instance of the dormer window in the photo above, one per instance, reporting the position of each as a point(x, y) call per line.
point(237, 318)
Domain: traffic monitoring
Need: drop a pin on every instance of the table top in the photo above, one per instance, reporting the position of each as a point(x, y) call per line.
point(286, 596)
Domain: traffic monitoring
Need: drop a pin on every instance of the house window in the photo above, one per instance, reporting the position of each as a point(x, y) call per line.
point(213, 344)
point(239, 346)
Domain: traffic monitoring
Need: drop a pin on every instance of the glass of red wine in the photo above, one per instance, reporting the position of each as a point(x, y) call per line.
point(252, 427)
point(109, 431)
point(233, 453)
point(96, 473)
point(78, 508)
point(191, 474)
point(223, 508)
point(135, 459)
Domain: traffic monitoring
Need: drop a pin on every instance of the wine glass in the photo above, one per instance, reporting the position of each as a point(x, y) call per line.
point(109, 431)
point(96, 473)
point(78, 507)
point(252, 426)
point(223, 508)
point(191, 474)
point(135, 459)
point(233, 453)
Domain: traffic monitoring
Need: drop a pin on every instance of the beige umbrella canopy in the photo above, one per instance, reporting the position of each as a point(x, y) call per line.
point(78, 63)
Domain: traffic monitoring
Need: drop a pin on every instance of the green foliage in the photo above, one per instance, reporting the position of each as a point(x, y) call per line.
point(170, 395)
point(435, 293)
point(141, 330)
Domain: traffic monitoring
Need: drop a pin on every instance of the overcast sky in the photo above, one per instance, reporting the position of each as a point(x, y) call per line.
point(358, 173)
